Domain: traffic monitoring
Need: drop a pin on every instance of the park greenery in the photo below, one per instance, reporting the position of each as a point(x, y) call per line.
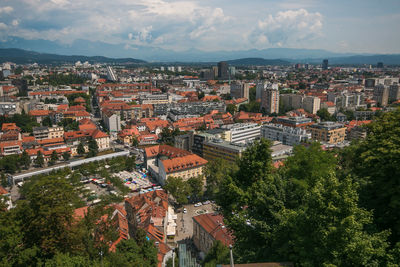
point(23, 121)
point(322, 208)
point(185, 191)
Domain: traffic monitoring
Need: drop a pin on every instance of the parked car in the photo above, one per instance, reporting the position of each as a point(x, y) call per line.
point(184, 210)
point(198, 204)
point(206, 202)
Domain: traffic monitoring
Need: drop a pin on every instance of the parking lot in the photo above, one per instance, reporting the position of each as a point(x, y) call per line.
point(184, 222)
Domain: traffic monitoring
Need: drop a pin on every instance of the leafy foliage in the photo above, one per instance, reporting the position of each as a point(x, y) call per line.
point(302, 213)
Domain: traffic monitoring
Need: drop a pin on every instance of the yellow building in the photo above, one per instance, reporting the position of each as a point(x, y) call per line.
point(328, 132)
point(186, 167)
point(220, 149)
point(56, 132)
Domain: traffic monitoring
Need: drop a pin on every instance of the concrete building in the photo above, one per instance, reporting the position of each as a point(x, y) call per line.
point(240, 90)
point(291, 101)
point(112, 121)
point(154, 99)
point(285, 134)
point(220, 149)
point(328, 132)
point(270, 99)
point(311, 104)
point(9, 108)
point(184, 141)
point(294, 122)
point(223, 73)
point(381, 94)
point(45, 132)
point(325, 64)
point(111, 76)
point(241, 132)
point(394, 92)
point(200, 138)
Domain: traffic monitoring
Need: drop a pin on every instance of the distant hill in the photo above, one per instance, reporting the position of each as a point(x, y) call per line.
point(257, 62)
point(21, 56)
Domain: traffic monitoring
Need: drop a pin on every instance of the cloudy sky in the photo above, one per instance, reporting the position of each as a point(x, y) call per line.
point(368, 26)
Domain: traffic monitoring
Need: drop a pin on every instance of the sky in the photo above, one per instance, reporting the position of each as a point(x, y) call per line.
point(356, 26)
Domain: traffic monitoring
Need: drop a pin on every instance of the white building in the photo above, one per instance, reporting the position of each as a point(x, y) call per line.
point(287, 135)
point(241, 132)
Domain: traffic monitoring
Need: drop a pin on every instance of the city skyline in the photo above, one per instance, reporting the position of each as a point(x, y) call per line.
point(353, 26)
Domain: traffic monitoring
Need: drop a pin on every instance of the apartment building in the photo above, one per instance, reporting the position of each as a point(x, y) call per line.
point(328, 132)
point(381, 94)
point(285, 134)
point(270, 99)
point(45, 132)
point(241, 132)
point(240, 90)
point(294, 121)
point(311, 104)
point(220, 149)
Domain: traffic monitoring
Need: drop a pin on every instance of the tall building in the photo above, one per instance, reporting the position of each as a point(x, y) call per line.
point(394, 92)
point(325, 64)
point(223, 70)
point(291, 101)
point(311, 104)
point(381, 94)
point(379, 65)
point(240, 90)
point(270, 99)
point(111, 75)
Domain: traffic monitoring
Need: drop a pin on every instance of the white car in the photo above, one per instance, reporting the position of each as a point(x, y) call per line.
point(198, 204)
point(184, 210)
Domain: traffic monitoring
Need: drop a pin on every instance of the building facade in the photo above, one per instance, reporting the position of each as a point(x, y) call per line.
point(270, 99)
point(285, 134)
point(328, 132)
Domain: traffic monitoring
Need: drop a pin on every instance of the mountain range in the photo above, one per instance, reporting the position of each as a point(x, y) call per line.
point(50, 51)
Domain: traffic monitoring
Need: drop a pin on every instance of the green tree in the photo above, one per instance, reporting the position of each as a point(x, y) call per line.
point(178, 188)
point(137, 251)
point(47, 122)
point(25, 159)
point(53, 158)
point(39, 160)
point(325, 115)
point(67, 260)
point(66, 155)
point(130, 163)
point(201, 95)
point(214, 173)
point(4, 181)
point(196, 185)
point(93, 148)
point(81, 149)
point(218, 254)
point(375, 162)
point(46, 214)
point(231, 108)
point(305, 215)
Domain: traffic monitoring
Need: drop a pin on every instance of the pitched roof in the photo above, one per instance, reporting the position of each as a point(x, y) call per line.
point(213, 224)
point(183, 163)
point(39, 112)
point(9, 126)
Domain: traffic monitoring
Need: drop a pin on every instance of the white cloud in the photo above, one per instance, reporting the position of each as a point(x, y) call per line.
point(287, 28)
point(15, 22)
point(6, 9)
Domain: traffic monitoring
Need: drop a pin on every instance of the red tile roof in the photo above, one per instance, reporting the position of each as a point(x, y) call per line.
point(38, 113)
point(213, 225)
point(183, 163)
